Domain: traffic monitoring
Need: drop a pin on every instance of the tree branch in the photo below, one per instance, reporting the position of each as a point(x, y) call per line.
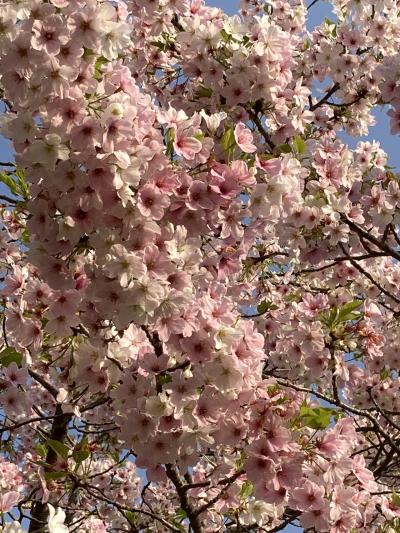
point(323, 100)
point(192, 514)
point(256, 119)
point(39, 512)
point(368, 237)
point(347, 408)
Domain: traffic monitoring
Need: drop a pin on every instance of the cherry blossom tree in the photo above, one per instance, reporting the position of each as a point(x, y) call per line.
point(200, 287)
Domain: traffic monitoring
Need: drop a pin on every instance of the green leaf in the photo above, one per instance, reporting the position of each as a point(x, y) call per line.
point(343, 314)
point(316, 417)
point(60, 448)
point(180, 514)
point(54, 475)
point(163, 378)
point(25, 237)
point(159, 44)
point(266, 157)
point(300, 145)
point(115, 456)
point(203, 92)
point(10, 355)
point(265, 306)
point(228, 142)
point(331, 26)
point(80, 455)
point(395, 499)
point(246, 490)
point(10, 183)
point(346, 311)
point(17, 186)
point(131, 517)
point(170, 141)
point(226, 37)
point(41, 450)
point(268, 8)
point(44, 464)
point(22, 185)
point(98, 73)
point(240, 462)
point(284, 148)
point(246, 41)
point(87, 52)
point(199, 135)
point(384, 374)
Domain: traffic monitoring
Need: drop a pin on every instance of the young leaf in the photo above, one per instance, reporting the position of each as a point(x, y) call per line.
point(10, 355)
point(203, 92)
point(60, 448)
point(41, 450)
point(346, 311)
point(54, 475)
point(22, 185)
point(80, 455)
point(283, 148)
point(10, 183)
point(228, 142)
point(98, 73)
point(246, 490)
point(263, 307)
point(395, 498)
point(131, 517)
point(300, 145)
point(316, 417)
point(180, 514)
point(226, 37)
point(170, 137)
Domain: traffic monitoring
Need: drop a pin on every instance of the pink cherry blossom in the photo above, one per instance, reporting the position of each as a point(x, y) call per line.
point(199, 272)
point(244, 138)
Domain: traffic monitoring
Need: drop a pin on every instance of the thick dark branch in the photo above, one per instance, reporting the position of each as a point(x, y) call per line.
point(192, 514)
point(155, 341)
point(225, 481)
point(58, 432)
point(334, 262)
point(256, 119)
point(368, 237)
point(26, 422)
point(48, 386)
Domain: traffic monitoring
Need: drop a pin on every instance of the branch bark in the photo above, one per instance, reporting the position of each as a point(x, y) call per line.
point(192, 514)
point(59, 430)
point(323, 100)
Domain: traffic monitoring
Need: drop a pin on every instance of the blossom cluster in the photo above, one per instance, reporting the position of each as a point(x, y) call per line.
point(200, 302)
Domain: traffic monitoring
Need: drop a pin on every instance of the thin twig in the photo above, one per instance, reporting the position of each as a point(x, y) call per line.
point(323, 100)
point(255, 118)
